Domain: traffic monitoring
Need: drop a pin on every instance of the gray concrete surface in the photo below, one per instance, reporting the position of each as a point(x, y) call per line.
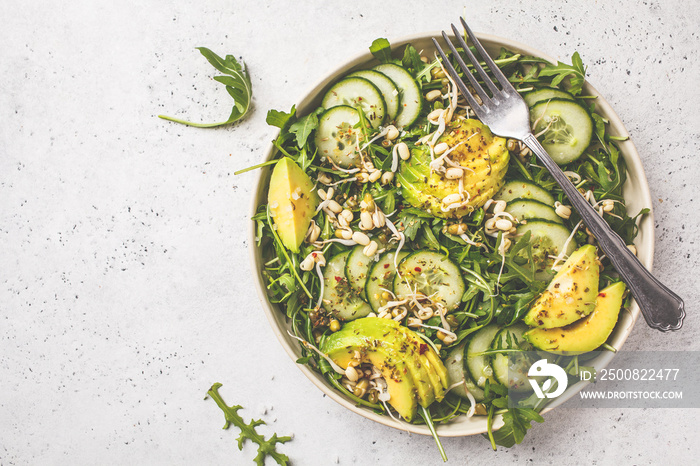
point(125, 287)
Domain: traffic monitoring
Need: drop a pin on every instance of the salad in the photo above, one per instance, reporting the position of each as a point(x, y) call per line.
point(414, 252)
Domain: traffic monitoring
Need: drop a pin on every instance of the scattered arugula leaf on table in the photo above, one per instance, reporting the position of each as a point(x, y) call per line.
point(265, 447)
point(237, 84)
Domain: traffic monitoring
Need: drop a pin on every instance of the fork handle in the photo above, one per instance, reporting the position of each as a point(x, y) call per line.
point(662, 309)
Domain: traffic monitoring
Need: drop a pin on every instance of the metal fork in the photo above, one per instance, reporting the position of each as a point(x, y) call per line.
point(507, 114)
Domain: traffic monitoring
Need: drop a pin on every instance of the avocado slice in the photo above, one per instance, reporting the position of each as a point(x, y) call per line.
point(389, 332)
point(292, 202)
point(428, 361)
point(570, 295)
point(385, 358)
point(586, 334)
point(397, 352)
point(483, 156)
point(437, 372)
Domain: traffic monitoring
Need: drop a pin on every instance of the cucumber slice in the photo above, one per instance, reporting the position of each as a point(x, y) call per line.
point(411, 98)
point(479, 365)
point(547, 239)
point(567, 126)
point(525, 209)
point(520, 189)
point(386, 86)
point(357, 92)
point(338, 297)
point(511, 369)
point(356, 270)
point(381, 277)
point(432, 274)
point(336, 136)
point(531, 98)
point(456, 372)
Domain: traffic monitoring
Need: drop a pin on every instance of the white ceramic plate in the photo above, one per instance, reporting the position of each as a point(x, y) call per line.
point(636, 193)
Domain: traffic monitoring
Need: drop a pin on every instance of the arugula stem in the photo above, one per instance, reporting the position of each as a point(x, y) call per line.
point(489, 428)
point(254, 167)
point(609, 348)
point(284, 251)
point(192, 123)
point(281, 149)
point(425, 414)
point(521, 167)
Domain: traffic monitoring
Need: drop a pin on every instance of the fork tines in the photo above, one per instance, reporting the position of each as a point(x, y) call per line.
point(498, 74)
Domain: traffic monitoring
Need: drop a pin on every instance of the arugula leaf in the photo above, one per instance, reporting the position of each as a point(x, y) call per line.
point(381, 49)
point(411, 60)
point(280, 119)
point(576, 72)
point(237, 84)
point(265, 447)
point(411, 223)
point(304, 126)
point(517, 421)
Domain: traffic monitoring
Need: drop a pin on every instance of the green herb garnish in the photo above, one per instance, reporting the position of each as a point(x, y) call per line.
point(576, 72)
point(265, 447)
point(237, 84)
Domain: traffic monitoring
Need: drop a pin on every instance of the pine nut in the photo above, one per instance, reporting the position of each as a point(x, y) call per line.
point(414, 322)
point(335, 207)
point(375, 175)
point(351, 374)
point(319, 258)
point(360, 238)
point(499, 206)
point(439, 149)
point(387, 177)
point(454, 173)
point(433, 95)
point(313, 232)
point(437, 73)
point(379, 219)
point(403, 151)
point(368, 201)
point(324, 178)
point(347, 215)
point(307, 264)
point(366, 222)
point(435, 114)
point(457, 229)
point(371, 249)
point(391, 132)
point(563, 211)
point(452, 199)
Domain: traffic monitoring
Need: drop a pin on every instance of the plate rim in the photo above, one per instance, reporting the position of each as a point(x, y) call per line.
point(620, 335)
